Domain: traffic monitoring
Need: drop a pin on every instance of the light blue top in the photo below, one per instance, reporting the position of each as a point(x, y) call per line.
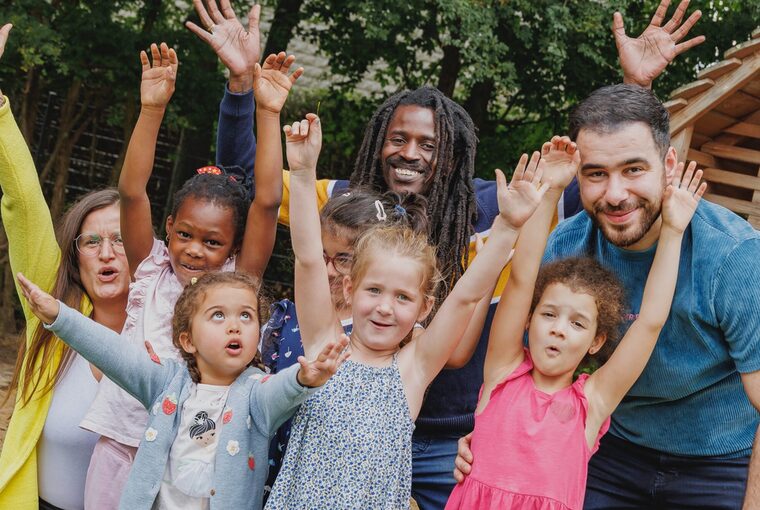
point(259, 404)
point(690, 399)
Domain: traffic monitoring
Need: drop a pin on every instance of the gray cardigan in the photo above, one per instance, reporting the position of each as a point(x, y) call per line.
point(259, 404)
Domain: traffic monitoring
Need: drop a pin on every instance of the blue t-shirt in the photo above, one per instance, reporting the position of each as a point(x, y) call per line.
point(690, 399)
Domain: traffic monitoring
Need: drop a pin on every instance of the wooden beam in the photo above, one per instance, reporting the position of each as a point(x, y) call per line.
point(681, 141)
point(692, 89)
point(674, 105)
point(736, 205)
point(718, 69)
point(743, 50)
point(724, 86)
point(744, 129)
point(733, 153)
point(732, 178)
point(701, 158)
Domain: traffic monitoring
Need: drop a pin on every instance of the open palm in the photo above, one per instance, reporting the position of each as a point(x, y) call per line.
point(560, 160)
point(519, 200)
point(682, 197)
point(4, 32)
point(645, 57)
point(272, 84)
point(158, 77)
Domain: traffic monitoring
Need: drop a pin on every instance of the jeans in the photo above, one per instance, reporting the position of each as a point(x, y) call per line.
point(624, 475)
point(433, 470)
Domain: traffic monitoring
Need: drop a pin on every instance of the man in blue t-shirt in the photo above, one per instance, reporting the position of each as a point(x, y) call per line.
point(683, 436)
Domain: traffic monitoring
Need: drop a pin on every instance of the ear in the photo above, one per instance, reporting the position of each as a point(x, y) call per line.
point(169, 225)
point(187, 343)
point(427, 307)
point(671, 161)
point(597, 344)
point(527, 321)
point(348, 289)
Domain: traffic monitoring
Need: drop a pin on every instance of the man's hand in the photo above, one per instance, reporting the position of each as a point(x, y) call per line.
point(271, 83)
point(644, 58)
point(303, 141)
point(158, 78)
point(238, 49)
point(316, 373)
point(560, 160)
point(42, 304)
point(463, 462)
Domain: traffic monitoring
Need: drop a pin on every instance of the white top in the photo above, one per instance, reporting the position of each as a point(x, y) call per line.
point(64, 449)
point(150, 307)
point(189, 476)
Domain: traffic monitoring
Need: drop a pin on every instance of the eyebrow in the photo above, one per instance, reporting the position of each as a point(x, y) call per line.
point(627, 162)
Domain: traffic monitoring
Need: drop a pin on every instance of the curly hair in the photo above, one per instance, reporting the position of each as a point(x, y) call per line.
point(451, 197)
point(586, 275)
point(192, 297)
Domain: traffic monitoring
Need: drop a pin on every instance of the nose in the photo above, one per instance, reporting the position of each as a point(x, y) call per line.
point(410, 151)
point(233, 326)
point(194, 249)
point(558, 327)
point(106, 250)
point(616, 191)
point(384, 307)
point(331, 271)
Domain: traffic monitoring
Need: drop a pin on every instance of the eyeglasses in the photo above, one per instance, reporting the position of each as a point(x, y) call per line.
point(91, 244)
point(341, 262)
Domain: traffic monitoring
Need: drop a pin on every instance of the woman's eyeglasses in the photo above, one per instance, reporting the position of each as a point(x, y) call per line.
point(341, 262)
point(91, 244)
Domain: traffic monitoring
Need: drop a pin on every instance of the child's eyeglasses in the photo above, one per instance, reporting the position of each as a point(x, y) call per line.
point(91, 244)
point(341, 262)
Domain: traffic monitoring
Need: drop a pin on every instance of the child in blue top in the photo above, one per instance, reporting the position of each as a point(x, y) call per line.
point(211, 417)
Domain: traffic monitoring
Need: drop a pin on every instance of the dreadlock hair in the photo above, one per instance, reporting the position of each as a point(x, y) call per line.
point(192, 297)
point(222, 190)
point(587, 275)
point(451, 197)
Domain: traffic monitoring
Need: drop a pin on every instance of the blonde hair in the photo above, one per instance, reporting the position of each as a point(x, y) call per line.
point(192, 297)
point(401, 241)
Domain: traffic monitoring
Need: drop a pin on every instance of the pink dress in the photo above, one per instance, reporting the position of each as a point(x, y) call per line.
point(529, 448)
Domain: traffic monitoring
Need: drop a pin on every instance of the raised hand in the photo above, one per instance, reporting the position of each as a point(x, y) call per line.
point(682, 196)
point(316, 373)
point(644, 58)
point(303, 141)
point(272, 84)
point(518, 201)
point(238, 49)
point(42, 304)
point(4, 31)
point(158, 78)
point(560, 160)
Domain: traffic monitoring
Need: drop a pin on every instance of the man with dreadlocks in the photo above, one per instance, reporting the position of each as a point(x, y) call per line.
point(424, 142)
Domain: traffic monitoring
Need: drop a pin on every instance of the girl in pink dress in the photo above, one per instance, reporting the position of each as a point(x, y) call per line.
point(536, 429)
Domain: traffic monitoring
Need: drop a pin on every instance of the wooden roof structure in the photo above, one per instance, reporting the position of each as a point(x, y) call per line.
point(715, 121)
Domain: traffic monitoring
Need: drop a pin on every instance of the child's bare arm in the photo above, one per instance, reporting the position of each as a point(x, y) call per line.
point(517, 202)
point(608, 385)
point(156, 89)
point(316, 313)
point(271, 86)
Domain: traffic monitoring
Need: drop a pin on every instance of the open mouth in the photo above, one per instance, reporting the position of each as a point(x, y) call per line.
point(552, 351)
point(406, 174)
point(234, 348)
point(107, 274)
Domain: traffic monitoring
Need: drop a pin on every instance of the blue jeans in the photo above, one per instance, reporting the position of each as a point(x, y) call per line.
point(624, 475)
point(433, 470)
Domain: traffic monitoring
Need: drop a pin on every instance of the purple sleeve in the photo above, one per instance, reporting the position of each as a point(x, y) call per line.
point(235, 141)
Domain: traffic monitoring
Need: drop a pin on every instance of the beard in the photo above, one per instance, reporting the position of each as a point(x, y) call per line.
point(626, 235)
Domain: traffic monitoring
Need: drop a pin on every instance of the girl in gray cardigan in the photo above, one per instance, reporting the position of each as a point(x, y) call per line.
point(210, 420)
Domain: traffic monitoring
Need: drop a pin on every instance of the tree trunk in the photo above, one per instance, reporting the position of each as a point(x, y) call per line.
point(130, 119)
point(477, 105)
point(450, 67)
point(287, 15)
point(29, 104)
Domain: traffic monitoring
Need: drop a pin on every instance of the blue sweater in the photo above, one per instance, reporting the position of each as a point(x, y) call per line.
point(259, 405)
point(451, 399)
point(689, 400)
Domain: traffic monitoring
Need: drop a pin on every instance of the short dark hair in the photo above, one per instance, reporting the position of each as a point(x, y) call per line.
point(608, 108)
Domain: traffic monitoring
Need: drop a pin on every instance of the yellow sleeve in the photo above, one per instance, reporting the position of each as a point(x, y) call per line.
point(322, 188)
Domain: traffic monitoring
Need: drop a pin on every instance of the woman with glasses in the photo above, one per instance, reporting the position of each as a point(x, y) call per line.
point(45, 456)
point(342, 219)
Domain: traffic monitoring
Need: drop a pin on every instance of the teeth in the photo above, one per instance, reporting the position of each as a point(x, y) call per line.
point(404, 171)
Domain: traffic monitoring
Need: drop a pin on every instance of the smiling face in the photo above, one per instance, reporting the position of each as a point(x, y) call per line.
point(105, 274)
point(622, 180)
point(386, 302)
point(409, 151)
point(224, 333)
point(562, 330)
point(201, 238)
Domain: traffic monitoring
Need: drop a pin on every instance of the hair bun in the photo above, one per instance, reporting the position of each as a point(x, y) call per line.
point(408, 208)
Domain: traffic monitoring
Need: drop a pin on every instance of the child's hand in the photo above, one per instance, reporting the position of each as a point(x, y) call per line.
point(303, 141)
point(519, 200)
point(4, 31)
point(271, 84)
point(238, 49)
point(682, 196)
point(560, 160)
point(315, 373)
point(43, 305)
point(158, 79)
